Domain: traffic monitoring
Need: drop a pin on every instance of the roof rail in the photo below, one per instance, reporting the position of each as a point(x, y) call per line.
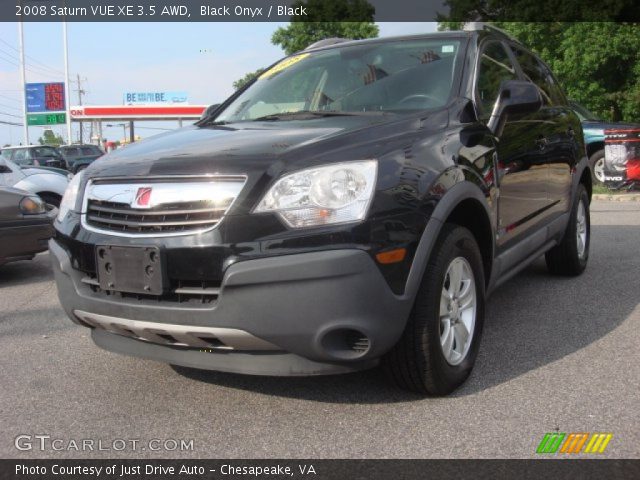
point(479, 26)
point(326, 42)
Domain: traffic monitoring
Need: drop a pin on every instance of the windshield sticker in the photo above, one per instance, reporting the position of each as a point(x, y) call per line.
point(286, 63)
point(447, 49)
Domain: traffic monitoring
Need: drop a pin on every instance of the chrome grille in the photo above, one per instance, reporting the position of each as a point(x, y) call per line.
point(165, 207)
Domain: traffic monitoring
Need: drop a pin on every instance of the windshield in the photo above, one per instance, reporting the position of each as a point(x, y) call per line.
point(396, 76)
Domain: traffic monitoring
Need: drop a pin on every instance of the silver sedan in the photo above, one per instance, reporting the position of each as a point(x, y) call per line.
point(48, 184)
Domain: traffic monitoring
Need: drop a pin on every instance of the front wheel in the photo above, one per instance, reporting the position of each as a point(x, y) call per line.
point(596, 162)
point(570, 256)
point(440, 343)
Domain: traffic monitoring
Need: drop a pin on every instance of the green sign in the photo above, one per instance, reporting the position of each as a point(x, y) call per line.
point(46, 118)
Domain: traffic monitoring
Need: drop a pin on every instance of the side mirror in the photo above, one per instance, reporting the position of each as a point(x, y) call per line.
point(517, 97)
point(209, 110)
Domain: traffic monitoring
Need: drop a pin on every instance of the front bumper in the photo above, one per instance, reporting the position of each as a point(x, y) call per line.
point(21, 242)
point(309, 313)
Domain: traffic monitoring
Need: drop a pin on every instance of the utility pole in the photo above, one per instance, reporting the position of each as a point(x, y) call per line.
point(23, 79)
point(80, 93)
point(66, 79)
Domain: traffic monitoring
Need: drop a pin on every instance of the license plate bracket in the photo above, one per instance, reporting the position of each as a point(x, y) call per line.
point(130, 269)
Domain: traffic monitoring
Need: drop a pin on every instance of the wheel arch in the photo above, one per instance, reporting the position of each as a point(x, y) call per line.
point(464, 204)
point(594, 147)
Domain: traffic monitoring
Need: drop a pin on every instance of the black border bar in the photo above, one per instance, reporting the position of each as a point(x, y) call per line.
point(317, 10)
point(322, 469)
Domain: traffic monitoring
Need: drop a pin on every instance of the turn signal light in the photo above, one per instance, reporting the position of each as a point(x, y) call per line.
point(391, 256)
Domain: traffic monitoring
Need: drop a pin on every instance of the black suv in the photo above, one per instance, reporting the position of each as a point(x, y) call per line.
point(79, 157)
point(354, 205)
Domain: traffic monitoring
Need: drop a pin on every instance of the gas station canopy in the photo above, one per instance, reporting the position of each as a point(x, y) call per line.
point(136, 112)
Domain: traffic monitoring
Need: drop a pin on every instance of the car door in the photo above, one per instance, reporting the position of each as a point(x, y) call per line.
point(559, 133)
point(522, 172)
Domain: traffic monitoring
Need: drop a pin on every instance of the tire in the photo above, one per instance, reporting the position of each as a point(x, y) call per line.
point(570, 256)
point(51, 199)
point(596, 162)
point(418, 361)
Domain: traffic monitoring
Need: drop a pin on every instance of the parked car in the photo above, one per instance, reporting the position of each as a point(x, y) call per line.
point(25, 225)
point(354, 205)
point(48, 183)
point(594, 128)
point(38, 155)
point(79, 157)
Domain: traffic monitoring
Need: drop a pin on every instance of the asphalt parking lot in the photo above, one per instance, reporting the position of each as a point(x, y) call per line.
point(557, 354)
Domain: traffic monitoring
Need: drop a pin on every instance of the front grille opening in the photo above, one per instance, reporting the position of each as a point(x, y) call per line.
point(168, 218)
point(356, 341)
point(346, 343)
point(192, 293)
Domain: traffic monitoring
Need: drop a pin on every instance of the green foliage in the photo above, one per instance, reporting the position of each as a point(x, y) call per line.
point(50, 138)
point(299, 35)
point(238, 84)
point(351, 19)
point(597, 63)
point(540, 10)
point(325, 19)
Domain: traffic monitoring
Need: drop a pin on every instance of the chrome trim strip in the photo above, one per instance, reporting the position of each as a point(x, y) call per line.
point(187, 336)
point(107, 188)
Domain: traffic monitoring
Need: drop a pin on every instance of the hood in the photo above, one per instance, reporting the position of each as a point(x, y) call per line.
point(246, 147)
point(31, 170)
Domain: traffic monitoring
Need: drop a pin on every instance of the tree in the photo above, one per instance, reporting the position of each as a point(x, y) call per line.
point(238, 84)
point(50, 138)
point(351, 19)
point(325, 19)
point(597, 63)
point(541, 10)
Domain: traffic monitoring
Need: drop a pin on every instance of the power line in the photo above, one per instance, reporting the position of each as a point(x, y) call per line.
point(33, 59)
point(9, 107)
point(2, 122)
point(11, 115)
point(13, 59)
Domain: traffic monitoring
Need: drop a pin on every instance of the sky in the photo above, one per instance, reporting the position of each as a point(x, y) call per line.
point(203, 59)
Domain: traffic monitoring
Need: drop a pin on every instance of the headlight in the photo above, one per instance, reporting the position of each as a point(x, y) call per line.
point(337, 193)
point(70, 196)
point(32, 206)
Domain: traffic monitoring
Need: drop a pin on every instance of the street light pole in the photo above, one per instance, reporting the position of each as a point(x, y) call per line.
point(23, 79)
point(66, 81)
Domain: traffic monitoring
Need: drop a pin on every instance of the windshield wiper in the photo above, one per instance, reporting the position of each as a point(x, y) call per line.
point(305, 114)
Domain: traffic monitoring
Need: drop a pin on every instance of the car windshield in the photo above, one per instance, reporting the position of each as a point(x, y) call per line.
point(393, 76)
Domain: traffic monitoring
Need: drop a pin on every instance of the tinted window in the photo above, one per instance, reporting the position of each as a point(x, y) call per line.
point(495, 67)
point(71, 152)
point(45, 152)
point(536, 72)
point(90, 151)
